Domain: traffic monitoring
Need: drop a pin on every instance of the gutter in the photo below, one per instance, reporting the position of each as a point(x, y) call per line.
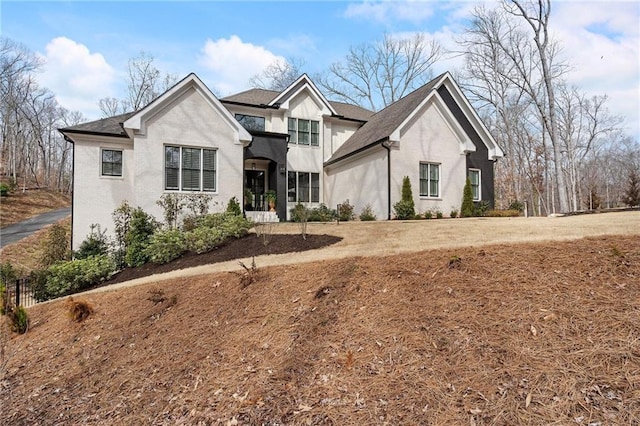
point(73, 181)
point(385, 145)
point(262, 106)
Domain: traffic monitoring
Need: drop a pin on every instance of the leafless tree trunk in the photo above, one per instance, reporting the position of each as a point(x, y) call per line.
point(377, 74)
point(33, 152)
point(279, 75)
point(144, 83)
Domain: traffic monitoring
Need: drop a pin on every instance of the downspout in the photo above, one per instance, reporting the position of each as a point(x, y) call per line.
point(385, 145)
point(73, 183)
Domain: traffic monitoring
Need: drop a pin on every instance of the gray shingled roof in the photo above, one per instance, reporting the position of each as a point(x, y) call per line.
point(383, 123)
point(110, 126)
point(255, 97)
point(261, 97)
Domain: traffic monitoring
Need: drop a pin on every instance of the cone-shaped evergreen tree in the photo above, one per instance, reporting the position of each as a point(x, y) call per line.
point(467, 200)
point(405, 208)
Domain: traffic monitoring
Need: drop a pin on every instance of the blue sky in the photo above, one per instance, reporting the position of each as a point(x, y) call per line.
point(86, 44)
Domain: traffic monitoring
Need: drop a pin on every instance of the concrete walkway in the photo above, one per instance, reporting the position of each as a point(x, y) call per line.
point(17, 231)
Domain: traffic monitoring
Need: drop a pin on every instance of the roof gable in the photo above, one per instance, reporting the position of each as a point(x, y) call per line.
point(262, 98)
point(137, 122)
point(387, 123)
point(302, 83)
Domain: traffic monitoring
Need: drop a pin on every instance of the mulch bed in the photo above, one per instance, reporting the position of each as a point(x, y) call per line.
point(242, 248)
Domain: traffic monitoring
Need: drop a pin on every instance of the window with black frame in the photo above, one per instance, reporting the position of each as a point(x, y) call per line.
point(111, 162)
point(251, 122)
point(189, 169)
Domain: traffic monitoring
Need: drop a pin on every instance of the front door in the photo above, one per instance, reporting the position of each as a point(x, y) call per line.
point(254, 188)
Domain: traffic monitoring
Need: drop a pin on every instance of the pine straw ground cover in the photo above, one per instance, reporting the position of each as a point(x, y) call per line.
point(545, 333)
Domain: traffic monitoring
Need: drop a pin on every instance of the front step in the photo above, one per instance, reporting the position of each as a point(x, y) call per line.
point(262, 217)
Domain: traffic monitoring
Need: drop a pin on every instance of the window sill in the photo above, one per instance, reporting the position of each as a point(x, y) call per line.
point(424, 197)
point(177, 191)
point(108, 177)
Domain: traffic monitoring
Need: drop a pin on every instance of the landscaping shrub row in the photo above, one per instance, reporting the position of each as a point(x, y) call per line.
point(139, 239)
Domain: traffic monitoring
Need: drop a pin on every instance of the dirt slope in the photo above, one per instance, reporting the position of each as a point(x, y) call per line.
point(543, 333)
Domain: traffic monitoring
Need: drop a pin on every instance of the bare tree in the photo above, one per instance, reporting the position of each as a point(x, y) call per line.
point(33, 152)
point(537, 14)
point(377, 74)
point(144, 83)
point(110, 106)
point(278, 75)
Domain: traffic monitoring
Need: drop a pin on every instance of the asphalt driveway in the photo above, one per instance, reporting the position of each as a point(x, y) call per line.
point(20, 230)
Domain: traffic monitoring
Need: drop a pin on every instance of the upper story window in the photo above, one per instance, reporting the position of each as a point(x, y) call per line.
point(111, 162)
point(429, 180)
point(304, 132)
point(251, 122)
point(474, 178)
point(189, 169)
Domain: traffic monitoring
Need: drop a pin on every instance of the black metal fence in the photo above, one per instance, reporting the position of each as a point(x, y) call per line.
point(20, 293)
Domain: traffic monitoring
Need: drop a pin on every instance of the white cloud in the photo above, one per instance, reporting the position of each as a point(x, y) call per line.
point(232, 62)
point(601, 42)
point(78, 77)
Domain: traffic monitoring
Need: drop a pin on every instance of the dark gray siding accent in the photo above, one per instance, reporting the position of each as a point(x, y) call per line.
point(478, 159)
point(272, 147)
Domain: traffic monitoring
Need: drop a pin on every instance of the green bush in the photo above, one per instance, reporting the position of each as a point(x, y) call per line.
point(322, 213)
point(141, 228)
point(213, 229)
point(203, 239)
point(454, 213)
point(4, 190)
point(345, 211)
point(428, 214)
point(55, 247)
point(233, 207)
point(480, 208)
point(95, 244)
point(69, 277)
point(405, 208)
point(18, 319)
point(367, 213)
point(467, 209)
point(516, 205)
point(439, 214)
point(300, 213)
point(231, 225)
point(38, 283)
point(166, 245)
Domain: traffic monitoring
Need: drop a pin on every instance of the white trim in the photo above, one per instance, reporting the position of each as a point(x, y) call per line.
point(492, 146)
point(479, 183)
point(137, 122)
point(317, 94)
point(430, 197)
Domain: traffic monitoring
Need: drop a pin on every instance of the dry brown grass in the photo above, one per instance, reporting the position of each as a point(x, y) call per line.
point(541, 333)
point(19, 206)
point(78, 310)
